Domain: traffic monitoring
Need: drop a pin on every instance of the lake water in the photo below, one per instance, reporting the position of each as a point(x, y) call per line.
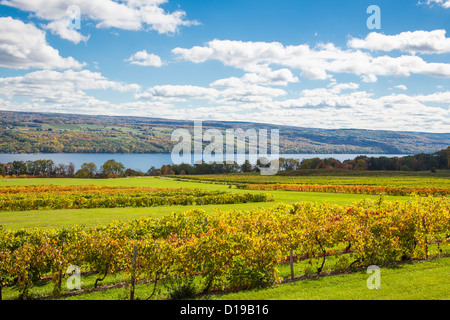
point(144, 162)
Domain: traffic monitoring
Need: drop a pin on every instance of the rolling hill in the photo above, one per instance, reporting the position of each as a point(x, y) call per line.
point(28, 132)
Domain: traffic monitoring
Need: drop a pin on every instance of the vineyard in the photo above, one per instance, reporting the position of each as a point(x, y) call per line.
point(433, 191)
point(231, 250)
point(400, 180)
point(21, 198)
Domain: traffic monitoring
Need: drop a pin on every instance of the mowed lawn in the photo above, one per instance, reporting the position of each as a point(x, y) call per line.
point(49, 219)
point(420, 280)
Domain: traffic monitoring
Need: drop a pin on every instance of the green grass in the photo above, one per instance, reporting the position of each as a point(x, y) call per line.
point(419, 280)
point(49, 219)
point(413, 280)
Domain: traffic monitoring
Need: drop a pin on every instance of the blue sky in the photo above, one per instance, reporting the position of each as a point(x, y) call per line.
point(300, 63)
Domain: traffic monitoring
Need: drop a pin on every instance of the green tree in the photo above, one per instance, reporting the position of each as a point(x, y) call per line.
point(112, 167)
point(90, 168)
point(289, 164)
point(166, 170)
point(361, 164)
point(246, 166)
point(448, 157)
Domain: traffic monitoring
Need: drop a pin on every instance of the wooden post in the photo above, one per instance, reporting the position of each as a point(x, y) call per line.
point(291, 261)
point(60, 267)
point(133, 272)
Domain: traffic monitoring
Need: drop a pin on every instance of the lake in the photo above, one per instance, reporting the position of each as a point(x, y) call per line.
point(144, 162)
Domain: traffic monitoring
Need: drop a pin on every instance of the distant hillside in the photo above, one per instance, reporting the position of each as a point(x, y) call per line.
point(67, 133)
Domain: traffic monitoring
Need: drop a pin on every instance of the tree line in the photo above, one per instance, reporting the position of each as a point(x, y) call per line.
point(418, 162)
point(47, 168)
point(114, 169)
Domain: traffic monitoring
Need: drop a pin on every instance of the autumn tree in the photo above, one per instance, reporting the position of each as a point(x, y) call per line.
point(166, 170)
point(448, 157)
point(112, 167)
point(246, 166)
point(88, 170)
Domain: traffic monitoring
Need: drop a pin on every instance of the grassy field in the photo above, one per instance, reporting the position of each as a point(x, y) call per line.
point(419, 280)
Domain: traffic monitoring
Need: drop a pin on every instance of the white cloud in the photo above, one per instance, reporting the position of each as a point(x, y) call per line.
point(328, 97)
point(177, 93)
point(128, 15)
point(231, 94)
point(369, 78)
point(253, 96)
point(23, 46)
point(249, 93)
point(404, 66)
point(335, 106)
point(413, 42)
point(281, 77)
point(145, 59)
point(437, 97)
point(59, 87)
point(59, 27)
point(314, 63)
point(339, 87)
point(442, 3)
point(267, 77)
point(322, 108)
point(90, 105)
point(358, 109)
point(401, 87)
point(249, 56)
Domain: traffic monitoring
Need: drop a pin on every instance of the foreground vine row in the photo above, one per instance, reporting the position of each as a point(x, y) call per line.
point(229, 251)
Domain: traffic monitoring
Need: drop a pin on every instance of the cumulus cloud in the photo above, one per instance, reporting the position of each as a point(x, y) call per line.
point(249, 93)
point(323, 108)
point(338, 105)
point(23, 46)
point(177, 93)
point(267, 77)
point(369, 78)
point(230, 94)
point(414, 42)
point(128, 15)
point(359, 109)
point(314, 63)
point(59, 87)
point(59, 27)
point(339, 87)
point(249, 56)
point(145, 59)
point(442, 3)
point(331, 96)
point(437, 97)
point(255, 95)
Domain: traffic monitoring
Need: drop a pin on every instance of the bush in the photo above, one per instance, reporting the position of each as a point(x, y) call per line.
point(182, 289)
